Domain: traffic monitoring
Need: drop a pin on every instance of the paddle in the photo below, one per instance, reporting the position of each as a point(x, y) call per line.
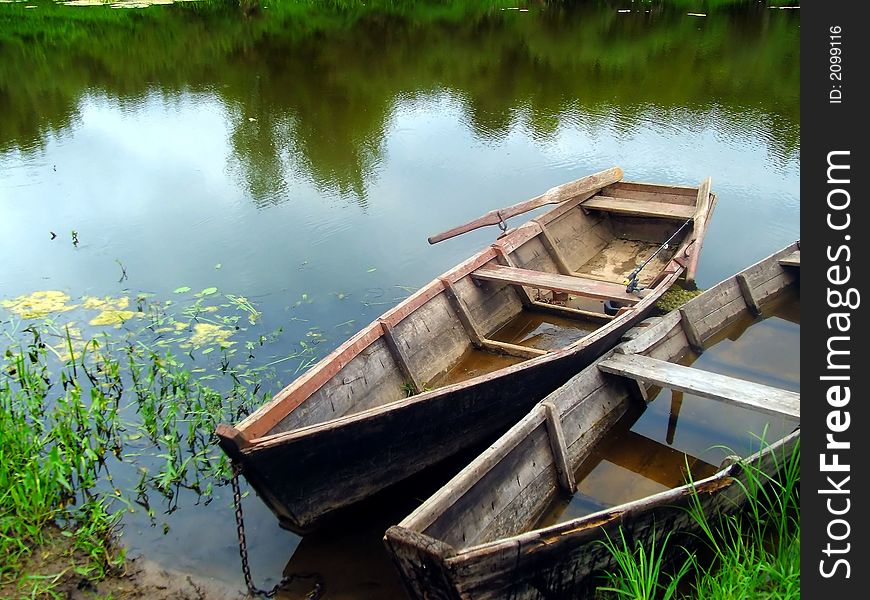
point(561, 193)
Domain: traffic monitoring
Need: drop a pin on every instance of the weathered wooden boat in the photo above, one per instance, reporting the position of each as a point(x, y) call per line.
point(481, 535)
point(466, 356)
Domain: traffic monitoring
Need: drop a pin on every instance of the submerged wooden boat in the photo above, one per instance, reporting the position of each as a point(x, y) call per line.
point(465, 357)
point(481, 535)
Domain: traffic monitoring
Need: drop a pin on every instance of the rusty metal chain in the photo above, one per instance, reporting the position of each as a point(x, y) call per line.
point(316, 591)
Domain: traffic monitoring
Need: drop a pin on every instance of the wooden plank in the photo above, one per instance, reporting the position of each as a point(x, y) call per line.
point(657, 188)
point(450, 493)
point(512, 349)
point(618, 191)
point(647, 337)
point(400, 357)
point(420, 559)
point(756, 396)
point(550, 245)
point(691, 332)
point(433, 338)
point(267, 416)
point(462, 313)
point(559, 447)
point(640, 208)
point(552, 196)
point(703, 208)
point(581, 236)
point(504, 259)
point(569, 311)
point(371, 378)
point(231, 439)
point(792, 260)
point(489, 306)
point(746, 290)
point(579, 286)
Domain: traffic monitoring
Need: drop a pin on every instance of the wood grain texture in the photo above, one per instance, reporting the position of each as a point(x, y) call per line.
point(580, 286)
point(703, 208)
point(640, 208)
point(762, 398)
point(552, 247)
point(792, 260)
point(559, 447)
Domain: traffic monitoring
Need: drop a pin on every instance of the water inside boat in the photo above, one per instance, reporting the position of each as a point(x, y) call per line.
point(648, 451)
point(473, 363)
point(544, 331)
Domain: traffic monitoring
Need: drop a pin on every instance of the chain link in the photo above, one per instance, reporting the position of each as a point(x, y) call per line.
point(253, 590)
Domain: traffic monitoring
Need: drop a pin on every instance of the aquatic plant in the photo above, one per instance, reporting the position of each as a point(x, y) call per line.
point(753, 553)
point(75, 408)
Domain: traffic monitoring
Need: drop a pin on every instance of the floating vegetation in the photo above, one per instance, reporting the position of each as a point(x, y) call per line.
point(105, 303)
point(208, 334)
point(113, 317)
point(38, 304)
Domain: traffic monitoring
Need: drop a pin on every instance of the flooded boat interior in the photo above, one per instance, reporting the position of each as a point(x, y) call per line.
point(542, 287)
point(679, 435)
point(612, 435)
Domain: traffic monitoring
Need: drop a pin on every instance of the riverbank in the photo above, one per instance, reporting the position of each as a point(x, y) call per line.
point(55, 568)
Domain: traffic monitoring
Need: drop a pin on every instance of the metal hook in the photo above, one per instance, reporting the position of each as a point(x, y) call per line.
point(501, 223)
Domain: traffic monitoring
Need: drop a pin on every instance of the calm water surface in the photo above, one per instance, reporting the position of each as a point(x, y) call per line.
point(301, 158)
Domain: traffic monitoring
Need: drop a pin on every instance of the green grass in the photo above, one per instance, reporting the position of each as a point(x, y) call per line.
point(51, 454)
point(751, 553)
point(67, 423)
point(640, 574)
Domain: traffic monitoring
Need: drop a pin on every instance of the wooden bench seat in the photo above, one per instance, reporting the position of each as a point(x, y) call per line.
point(763, 398)
point(579, 286)
point(640, 208)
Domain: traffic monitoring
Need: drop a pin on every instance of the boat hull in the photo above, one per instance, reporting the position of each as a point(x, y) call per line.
point(306, 477)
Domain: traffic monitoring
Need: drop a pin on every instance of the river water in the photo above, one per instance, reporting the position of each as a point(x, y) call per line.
point(300, 156)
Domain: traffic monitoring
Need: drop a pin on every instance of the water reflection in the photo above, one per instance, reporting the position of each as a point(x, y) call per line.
point(316, 97)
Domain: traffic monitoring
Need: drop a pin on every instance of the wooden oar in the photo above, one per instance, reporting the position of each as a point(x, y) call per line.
point(561, 193)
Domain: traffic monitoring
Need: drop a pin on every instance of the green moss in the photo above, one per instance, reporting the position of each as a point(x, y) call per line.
point(674, 298)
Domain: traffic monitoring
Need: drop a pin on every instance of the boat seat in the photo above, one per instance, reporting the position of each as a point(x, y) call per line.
point(579, 286)
point(763, 398)
point(640, 208)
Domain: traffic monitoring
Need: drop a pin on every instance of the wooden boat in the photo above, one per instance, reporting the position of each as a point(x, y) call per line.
point(466, 356)
point(479, 536)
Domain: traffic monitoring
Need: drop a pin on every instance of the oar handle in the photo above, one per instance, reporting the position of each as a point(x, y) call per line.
point(555, 195)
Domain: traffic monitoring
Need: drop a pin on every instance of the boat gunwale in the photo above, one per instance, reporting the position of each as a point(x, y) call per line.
point(608, 515)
